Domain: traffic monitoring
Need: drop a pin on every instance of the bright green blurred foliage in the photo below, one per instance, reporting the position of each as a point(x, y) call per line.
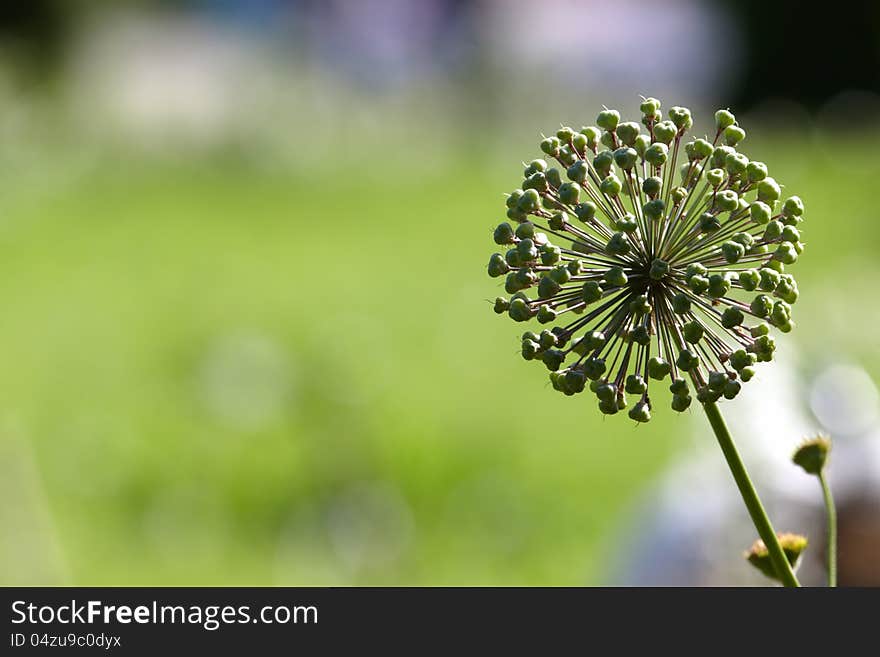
point(213, 375)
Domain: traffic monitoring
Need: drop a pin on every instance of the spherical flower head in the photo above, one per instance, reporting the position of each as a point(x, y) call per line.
point(812, 454)
point(793, 545)
point(673, 248)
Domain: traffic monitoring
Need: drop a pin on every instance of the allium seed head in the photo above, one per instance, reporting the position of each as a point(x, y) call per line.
point(655, 255)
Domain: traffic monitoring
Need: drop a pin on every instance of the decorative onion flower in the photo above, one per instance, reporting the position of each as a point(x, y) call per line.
point(651, 258)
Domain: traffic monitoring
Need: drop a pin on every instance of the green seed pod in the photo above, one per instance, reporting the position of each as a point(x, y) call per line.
point(698, 284)
point(554, 178)
point(551, 146)
point(627, 223)
point(658, 368)
point(709, 223)
point(525, 230)
point(641, 145)
point(793, 207)
point(594, 367)
point(780, 314)
point(615, 277)
point(695, 269)
point(768, 190)
point(719, 156)
point(567, 156)
point(606, 392)
point(575, 380)
point(591, 292)
point(659, 269)
point(603, 162)
point(609, 407)
point(719, 286)
point(558, 221)
point(756, 171)
point(626, 158)
point(593, 135)
point(733, 134)
point(786, 289)
point(560, 274)
point(578, 171)
point(657, 154)
point(681, 304)
point(530, 349)
point(503, 234)
point(706, 395)
point(698, 150)
point(553, 359)
point(653, 210)
point(535, 166)
point(497, 265)
point(641, 412)
point(525, 277)
point(731, 389)
point(761, 306)
point(736, 164)
point(679, 387)
point(608, 119)
point(550, 254)
point(547, 339)
point(763, 348)
point(628, 132)
point(727, 200)
point(565, 134)
point(687, 360)
point(569, 193)
point(580, 143)
point(791, 234)
point(759, 330)
point(715, 177)
point(585, 211)
point(529, 201)
point(640, 335)
point(513, 258)
point(527, 250)
point(635, 385)
point(717, 381)
point(546, 314)
point(724, 119)
point(649, 106)
point(693, 331)
point(618, 244)
point(640, 305)
point(732, 251)
point(760, 212)
point(679, 194)
point(547, 287)
point(519, 310)
point(681, 117)
point(664, 132)
point(749, 279)
point(501, 305)
point(610, 186)
point(745, 239)
point(773, 231)
point(740, 359)
point(652, 186)
point(680, 403)
point(513, 198)
point(786, 253)
point(732, 317)
point(812, 454)
point(747, 374)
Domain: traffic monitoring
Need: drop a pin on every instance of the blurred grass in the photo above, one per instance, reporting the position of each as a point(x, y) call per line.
point(227, 376)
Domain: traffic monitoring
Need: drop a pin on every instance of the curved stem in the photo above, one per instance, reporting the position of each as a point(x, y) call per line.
point(832, 530)
point(750, 496)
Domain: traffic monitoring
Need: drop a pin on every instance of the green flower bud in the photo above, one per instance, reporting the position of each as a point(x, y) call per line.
point(719, 285)
point(659, 269)
point(709, 223)
point(761, 306)
point(657, 154)
point(733, 134)
point(679, 387)
point(654, 209)
point(724, 119)
point(519, 310)
point(615, 277)
point(793, 207)
point(497, 265)
point(732, 317)
point(626, 158)
point(610, 185)
point(652, 186)
point(793, 545)
point(693, 331)
point(578, 171)
point(749, 279)
point(727, 200)
point(687, 360)
point(681, 117)
point(812, 454)
point(603, 162)
point(732, 251)
point(715, 177)
point(681, 304)
point(768, 190)
point(529, 201)
point(618, 244)
point(569, 193)
point(641, 412)
point(591, 292)
point(551, 146)
point(756, 171)
point(658, 368)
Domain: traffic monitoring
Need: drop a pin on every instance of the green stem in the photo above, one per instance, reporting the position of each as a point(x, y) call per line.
point(832, 530)
point(750, 496)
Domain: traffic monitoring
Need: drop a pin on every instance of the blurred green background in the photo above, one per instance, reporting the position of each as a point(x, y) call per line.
point(262, 353)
